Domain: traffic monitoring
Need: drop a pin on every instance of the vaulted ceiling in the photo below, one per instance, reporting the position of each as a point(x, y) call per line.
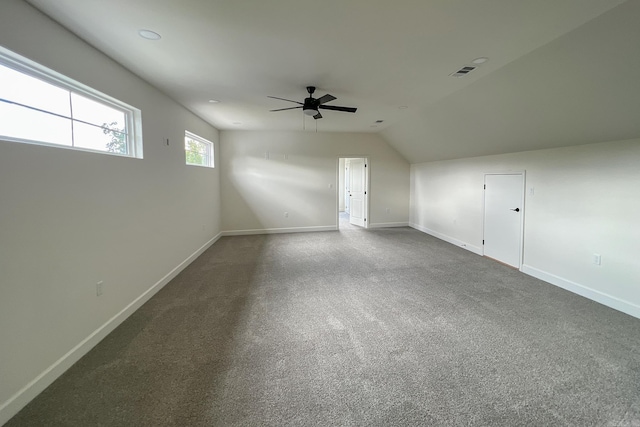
point(559, 72)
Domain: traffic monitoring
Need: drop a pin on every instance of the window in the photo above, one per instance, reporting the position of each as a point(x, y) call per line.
point(198, 151)
point(40, 106)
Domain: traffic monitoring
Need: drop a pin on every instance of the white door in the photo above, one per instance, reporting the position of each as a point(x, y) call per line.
point(356, 191)
point(347, 198)
point(503, 213)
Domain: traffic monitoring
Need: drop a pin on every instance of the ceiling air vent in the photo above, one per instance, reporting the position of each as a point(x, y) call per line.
point(463, 71)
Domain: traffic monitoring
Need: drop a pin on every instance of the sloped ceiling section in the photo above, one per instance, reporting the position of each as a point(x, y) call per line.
point(581, 88)
point(560, 72)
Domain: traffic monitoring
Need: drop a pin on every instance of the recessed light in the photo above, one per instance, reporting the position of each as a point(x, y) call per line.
point(214, 101)
point(480, 60)
point(402, 107)
point(149, 35)
point(237, 123)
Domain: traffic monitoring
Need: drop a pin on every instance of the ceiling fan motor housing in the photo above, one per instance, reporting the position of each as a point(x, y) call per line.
point(309, 109)
point(311, 106)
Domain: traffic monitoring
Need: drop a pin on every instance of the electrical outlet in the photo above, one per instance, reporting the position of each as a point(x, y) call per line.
point(597, 259)
point(286, 214)
point(99, 288)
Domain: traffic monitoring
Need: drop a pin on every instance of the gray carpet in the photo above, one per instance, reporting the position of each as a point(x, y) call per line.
point(358, 327)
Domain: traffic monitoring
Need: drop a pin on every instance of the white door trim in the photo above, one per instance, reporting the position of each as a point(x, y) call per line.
point(367, 189)
point(357, 192)
point(522, 203)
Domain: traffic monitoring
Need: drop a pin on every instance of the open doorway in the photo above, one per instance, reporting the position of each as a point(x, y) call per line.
point(353, 197)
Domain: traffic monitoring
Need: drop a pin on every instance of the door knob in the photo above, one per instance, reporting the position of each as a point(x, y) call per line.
point(516, 209)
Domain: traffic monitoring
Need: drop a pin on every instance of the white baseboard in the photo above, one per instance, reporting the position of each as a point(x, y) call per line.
point(464, 245)
point(597, 296)
point(19, 400)
point(279, 230)
point(388, 224)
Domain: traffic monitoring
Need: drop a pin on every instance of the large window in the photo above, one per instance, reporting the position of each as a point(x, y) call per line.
point(198, 151)
point(40, 106)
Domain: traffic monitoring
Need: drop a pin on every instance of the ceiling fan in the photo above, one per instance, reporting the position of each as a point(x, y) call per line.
point(310, 106)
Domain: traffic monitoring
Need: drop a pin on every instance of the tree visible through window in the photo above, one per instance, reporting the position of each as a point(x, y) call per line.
point(198, 151)
point(118, 142)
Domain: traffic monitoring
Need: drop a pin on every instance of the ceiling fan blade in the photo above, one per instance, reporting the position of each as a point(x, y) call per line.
point(282, 109)
point(283, 99)
point(335, 108)
point(317, 116)
point(325, 98)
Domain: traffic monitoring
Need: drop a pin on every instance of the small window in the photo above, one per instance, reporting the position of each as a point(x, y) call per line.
point(198, 151)
point(40, 106)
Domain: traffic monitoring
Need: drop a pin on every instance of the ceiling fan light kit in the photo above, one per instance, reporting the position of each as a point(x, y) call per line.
point(311, 106)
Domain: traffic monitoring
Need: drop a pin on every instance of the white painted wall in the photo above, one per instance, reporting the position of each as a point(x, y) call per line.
point(586, 200)
point(69, 219)
point(257, 191)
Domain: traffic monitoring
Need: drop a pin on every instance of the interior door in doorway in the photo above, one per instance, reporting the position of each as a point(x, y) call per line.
point(356, 191)
point(347, 198)
point(503, 214)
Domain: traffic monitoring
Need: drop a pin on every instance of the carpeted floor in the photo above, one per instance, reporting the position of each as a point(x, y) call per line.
point(383, 327)
point(345, 224)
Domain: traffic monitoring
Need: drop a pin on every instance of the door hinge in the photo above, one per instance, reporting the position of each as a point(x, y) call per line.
point(365, 165)
point(483, 242)
point(485, 186)
point(365, 219)
point(365, 192)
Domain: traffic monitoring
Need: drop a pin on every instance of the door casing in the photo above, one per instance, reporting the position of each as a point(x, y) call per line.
point(367, 177)
point(521, 205)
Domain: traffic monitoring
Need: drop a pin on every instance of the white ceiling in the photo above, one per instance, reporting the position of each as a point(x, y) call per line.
point(561, 72)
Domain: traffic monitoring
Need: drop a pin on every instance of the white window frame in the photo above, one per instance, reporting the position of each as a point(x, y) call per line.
point(209, 144)
point(133, 116)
